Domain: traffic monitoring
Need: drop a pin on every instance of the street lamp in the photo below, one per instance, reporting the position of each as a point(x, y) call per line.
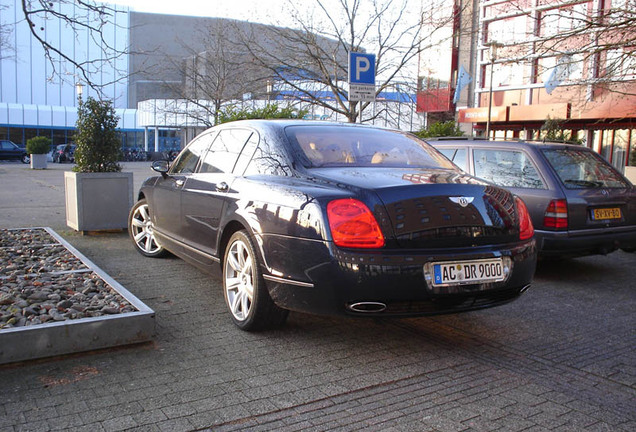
point(79, 88)
point(270, 89)
point(494, 46)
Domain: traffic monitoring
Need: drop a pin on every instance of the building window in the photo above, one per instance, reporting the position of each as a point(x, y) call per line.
point(621, 63)
point(17, 136)
point(569, 67)
point(564, 20)
point(619, 152)
point(60, 136)
point(511, 30)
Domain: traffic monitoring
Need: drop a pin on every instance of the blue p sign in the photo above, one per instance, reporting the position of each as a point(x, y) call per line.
point(361, 68)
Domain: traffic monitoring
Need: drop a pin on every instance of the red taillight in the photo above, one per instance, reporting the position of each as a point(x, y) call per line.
point(526, 230)
point(556, 215)
point(353, 225)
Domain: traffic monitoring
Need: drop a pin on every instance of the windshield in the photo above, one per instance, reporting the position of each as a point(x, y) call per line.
point(330, 146)
point(580, 169)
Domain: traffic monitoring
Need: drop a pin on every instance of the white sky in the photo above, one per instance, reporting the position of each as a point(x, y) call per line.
point(263, 11)
point(274, 12)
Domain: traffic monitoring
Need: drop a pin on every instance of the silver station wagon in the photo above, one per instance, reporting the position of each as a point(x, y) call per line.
point(579, 204)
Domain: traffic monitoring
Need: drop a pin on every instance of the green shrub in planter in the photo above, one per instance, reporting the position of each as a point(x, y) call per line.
point(440, 129)
point(98, 147)
point(38, 145)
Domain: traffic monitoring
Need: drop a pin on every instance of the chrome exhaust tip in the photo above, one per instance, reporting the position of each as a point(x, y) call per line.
point(367, 307)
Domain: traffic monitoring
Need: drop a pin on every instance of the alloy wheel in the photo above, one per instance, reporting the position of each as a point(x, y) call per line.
point(239, 280)
point(142, 231)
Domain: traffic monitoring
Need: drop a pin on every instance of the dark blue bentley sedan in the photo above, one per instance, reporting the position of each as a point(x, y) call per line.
point(334, 218)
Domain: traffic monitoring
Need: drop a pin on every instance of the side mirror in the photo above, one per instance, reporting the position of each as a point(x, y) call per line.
point(161, 166)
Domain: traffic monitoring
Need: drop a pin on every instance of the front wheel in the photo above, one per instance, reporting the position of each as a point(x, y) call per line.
point(244, 287)
point(141, 230)
point(25, 159)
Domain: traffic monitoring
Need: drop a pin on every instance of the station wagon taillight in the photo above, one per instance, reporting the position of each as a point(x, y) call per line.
point(556, 215)
point(526, 230)
point(353, 225)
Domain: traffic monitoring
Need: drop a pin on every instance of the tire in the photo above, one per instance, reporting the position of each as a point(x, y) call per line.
point(141, 231)
point(244, 289)
point(25, 159)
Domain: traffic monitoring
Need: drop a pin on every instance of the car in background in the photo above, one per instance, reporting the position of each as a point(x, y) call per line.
point(580, 205)
point(334, 218)
point(11, 151)
point(64, 153)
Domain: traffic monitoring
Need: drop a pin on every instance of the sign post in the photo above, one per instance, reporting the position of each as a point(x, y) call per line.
point(361, 78)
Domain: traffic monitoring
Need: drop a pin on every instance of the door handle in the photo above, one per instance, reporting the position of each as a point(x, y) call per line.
point(222, 187)
point(179, 182)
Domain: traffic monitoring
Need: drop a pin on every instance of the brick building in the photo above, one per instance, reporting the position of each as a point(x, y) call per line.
point(530, 61)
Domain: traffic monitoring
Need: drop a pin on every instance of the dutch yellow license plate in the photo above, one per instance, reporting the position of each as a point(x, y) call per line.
point(607, 213)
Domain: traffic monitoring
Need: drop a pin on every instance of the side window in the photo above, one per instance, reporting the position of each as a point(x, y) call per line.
point(508, 168)
point(224, 151)
point(458, 156)
point(267, 160)
point(187, 161)
point(246, 155)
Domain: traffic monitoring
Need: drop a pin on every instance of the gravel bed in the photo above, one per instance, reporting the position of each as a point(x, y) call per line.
point(29, 260)
point(41, 281)
point(25, 237)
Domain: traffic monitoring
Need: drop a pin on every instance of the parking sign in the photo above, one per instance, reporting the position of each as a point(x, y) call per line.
point(361, 77)
point(361, 68)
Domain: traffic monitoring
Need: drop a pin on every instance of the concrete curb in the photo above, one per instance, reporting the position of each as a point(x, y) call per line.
point(85, 334)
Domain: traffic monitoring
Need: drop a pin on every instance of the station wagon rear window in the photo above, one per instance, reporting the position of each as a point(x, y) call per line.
point(579, 169)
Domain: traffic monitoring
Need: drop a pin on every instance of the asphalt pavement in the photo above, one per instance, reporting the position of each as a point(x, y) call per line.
point(559, 358)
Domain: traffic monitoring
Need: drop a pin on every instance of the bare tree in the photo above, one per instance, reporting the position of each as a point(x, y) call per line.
point(88, 18)
point(600, 42)
point(6, 48)
point(589, 44)
point(310, 61)
point(214, 74)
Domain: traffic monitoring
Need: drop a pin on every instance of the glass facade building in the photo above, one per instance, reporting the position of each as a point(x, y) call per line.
point(38, 94)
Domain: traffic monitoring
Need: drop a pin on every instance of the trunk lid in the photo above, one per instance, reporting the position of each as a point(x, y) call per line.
point(600, 208)
point(430, 208)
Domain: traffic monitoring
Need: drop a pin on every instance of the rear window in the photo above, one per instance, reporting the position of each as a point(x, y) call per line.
point(580, 169)
point(327, 146)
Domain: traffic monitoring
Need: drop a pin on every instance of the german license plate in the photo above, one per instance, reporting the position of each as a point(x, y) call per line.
point(465, 272)
point(607, 213)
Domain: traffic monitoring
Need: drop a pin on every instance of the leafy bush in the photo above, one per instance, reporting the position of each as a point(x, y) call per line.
point(440, 129)
point(270, 111)
point(98, 146)
point(552, 130)
point(38, 145)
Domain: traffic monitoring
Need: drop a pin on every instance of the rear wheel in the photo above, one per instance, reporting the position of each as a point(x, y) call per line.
point(244, 288)
point(25, 159)
point(141, 230)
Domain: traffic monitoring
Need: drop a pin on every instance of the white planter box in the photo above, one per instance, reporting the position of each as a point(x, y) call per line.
point(38, 161)
point(98, 201)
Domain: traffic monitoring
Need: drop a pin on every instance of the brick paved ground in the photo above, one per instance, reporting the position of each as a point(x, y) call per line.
point(560, 358)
